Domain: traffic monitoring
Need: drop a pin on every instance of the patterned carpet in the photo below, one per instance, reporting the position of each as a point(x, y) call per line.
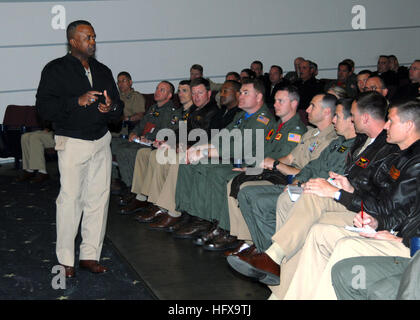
point(27, 249)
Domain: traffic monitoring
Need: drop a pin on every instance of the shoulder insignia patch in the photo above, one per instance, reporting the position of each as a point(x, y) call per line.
point(294, 137)
point(278, 136)
point(394, 173)
point(269, 135)
point(362, 162)
point(263, 119)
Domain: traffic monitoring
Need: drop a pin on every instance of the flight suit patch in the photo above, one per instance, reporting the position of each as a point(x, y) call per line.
point(362, 162)
point(269, 135)
point(263, 119)
point(342, 149)
point(312, 147)
point(278, 136)
point(174, 120)
point(156, 114)
point(394, 173)
point(294, 137)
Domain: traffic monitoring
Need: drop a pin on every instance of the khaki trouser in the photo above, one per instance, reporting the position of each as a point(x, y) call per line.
point(325, 246)
point(141, 170)
point(238, 226)
point(33, 146)
point(85, 177)
point(288, 267)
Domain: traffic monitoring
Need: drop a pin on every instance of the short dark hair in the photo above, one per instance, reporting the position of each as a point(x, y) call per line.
point(71, 28)
point(292, 92)
point(198, 81)
point(278, 68)
point(171, 86)
point(381, 80)
point(408, 110)
point(197, 67)
point(365, 71)
point(373, 103)
point(235, 84)
point(184, 82)
point(125, 74)
point(346, 103)
point(257, 84)
point(346, 64)
point(233, 73)
point(258, 62)
point(251, 74)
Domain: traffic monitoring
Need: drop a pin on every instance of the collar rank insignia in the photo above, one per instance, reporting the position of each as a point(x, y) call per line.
point(156, 114)
point(362, 162)
point(342, 149)
point(263, 119)
point(394, 173)
point(269, 135)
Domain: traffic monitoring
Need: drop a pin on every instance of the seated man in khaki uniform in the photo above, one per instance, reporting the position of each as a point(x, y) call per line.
point(33, 158)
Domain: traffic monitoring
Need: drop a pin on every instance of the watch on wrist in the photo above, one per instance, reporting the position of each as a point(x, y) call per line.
point(275, 164)
point(337, 195)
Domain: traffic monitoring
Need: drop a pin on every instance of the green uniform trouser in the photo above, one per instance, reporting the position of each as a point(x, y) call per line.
point(201, 191)
point(258, 207)
point(125, 153)
point(368, 278)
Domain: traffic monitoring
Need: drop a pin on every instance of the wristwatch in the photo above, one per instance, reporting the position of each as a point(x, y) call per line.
point(337, 195)
point(275, 164)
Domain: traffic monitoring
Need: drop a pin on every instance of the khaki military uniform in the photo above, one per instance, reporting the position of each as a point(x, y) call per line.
point(310, 147)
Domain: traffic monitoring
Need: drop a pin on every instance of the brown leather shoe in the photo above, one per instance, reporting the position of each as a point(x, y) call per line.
point(164, 222)
point(26, 175)
point(150, 215)
point(259, 266)
point(126, 199)
point(134, 206)
point(222, 242)
point(185, 218)
point(241, 246)
point(92, 266)
point(192, 229)
point(69, 271)
point(40, 177)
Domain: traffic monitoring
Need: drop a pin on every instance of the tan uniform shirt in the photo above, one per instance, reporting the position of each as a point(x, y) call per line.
point(134, 102)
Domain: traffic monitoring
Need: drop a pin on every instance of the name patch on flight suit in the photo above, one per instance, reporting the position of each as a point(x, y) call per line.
point(394, 173)
point(342, 149)
point(294, 137)
point(269, 135)
point(263, 119)
point(362, 162)
point(174, 120)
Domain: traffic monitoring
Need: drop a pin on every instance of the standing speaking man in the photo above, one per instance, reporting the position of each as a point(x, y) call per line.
point(79, 95)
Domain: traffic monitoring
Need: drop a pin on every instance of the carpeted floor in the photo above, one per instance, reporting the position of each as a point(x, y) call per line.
point(27, 249)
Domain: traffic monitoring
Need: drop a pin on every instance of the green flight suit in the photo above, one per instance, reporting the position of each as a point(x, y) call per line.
point(258, 203)
point(166, 116)
point(201, 189)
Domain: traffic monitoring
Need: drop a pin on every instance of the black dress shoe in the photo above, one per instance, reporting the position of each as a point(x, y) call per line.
point(185, 218)
point(26, 175)
point(164, 222)
point(39, 178)
point(126, 199)
point(193, 229)
point(214, 232)
point(222, 242)
point(134, 206)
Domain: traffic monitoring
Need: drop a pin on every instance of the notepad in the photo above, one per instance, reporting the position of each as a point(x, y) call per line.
point(294, 192)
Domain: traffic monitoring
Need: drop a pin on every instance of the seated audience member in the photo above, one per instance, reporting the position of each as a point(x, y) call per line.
point(390, 213)
point(247, 74)
point(412, 89)
point(362, 77)
point(384, 278)
point(375, 83)
point(258, 203)
point(258, 68)
point(308, 86)
point(212, 205)
point(276, 82)
point(157, 198)
point(134, 102)
point(344, 79)
point(293, 222)
point(336, 91)
point(401, 71)
point(197, 71)
point(160, 115)
point(33, 158)
point(231, 75)
point(293, 76)
point(383, 70)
